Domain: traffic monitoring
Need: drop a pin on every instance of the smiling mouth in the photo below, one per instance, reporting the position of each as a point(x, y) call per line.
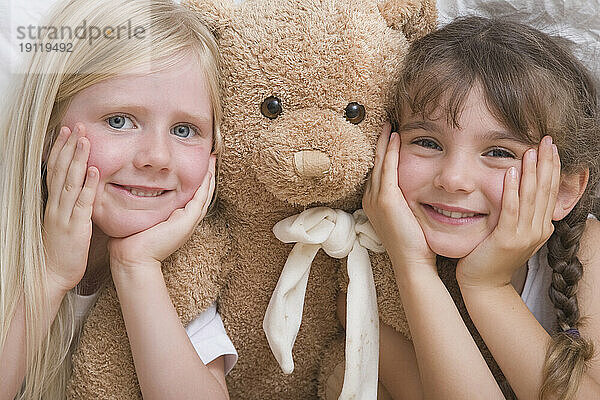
point(454, 214)
point(142, 192)
point(457, 216)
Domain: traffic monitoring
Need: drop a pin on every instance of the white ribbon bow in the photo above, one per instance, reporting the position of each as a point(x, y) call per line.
point(339, 234)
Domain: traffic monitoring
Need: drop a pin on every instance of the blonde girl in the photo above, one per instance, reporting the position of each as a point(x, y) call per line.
point(110, 152)
point(492, 172)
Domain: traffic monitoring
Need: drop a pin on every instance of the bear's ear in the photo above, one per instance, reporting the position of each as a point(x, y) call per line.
point(216, 14)
point(413, 17)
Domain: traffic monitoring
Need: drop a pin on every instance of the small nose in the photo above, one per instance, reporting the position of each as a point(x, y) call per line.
point(153, 151)
point(311, 163)
point(455, 175)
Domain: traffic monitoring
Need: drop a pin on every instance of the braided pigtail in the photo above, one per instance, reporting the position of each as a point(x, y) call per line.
point(568, 353)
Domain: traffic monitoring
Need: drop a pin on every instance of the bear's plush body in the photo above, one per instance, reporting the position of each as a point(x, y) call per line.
point(302, 63)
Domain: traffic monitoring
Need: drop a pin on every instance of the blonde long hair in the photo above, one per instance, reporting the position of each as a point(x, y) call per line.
point(40, 100)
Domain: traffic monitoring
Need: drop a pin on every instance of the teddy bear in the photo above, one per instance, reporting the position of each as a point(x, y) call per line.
point(305, 88)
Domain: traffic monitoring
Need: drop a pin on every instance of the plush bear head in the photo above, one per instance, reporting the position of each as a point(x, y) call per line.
point(305, 93)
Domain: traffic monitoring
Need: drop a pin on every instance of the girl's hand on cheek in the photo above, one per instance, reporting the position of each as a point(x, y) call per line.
point(153, 245)
point(525, 221)
point(67, 225)
point(388, 211)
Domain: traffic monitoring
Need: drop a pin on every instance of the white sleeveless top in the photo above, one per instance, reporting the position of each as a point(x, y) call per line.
point(206, 332)
point(535, 292)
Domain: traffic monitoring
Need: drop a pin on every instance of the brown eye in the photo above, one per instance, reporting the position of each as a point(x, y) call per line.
point(271, 107)
point(354, 113)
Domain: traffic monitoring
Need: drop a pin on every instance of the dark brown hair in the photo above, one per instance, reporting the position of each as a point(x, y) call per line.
point(534, 86)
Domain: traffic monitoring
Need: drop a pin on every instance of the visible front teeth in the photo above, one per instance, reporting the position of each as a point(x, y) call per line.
point(137, 192)
point(453, 214)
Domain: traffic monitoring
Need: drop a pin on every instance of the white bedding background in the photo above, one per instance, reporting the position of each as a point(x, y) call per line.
point(14, 13)
point(576, 20)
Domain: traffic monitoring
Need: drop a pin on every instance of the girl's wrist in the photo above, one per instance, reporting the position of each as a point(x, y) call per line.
point(412, 285)
point(408, 257)
point(481, 281)
point(56, 291)
point(478, 294)
point(57, 287)
point(123, 271)
point(411, 273)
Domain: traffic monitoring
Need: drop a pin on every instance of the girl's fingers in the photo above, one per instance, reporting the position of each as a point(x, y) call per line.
point(208, 198)
point(82, 210)
point(544, 181)
point(509, 214)
point(60, 141)
point(63, 135)
point(183, 220)
point(389, 173)
point(382, 144)
point(61, 166)
point(75, 178)
point(527, 189)
point(193, 210)
point(554, 187)
point(367, 187)
point(211, 190)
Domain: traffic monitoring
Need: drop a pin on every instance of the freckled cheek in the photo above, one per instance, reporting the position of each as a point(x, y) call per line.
point(192, 168)
point(493, 185)
point(414, 174)
point(105, 156)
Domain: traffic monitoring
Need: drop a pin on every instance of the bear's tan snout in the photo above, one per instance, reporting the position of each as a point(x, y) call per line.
point(311, 163)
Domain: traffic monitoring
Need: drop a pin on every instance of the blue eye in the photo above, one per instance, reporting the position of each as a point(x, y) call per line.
point(427, 143)
point(500, 153)
point(183, 131)
point(120, 122)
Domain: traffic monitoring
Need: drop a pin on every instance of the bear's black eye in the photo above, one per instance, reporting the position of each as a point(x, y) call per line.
point(271, 107)
point(354, 113)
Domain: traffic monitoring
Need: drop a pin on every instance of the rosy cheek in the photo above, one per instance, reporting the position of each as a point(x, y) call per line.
point(104, 155)
point(494, 184)
point(196, 177)
point(193, 167)
point(95, 158)
point(411, 173)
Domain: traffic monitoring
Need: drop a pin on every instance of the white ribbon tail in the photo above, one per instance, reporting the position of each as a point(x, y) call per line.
point(284, 312)
point(362, 329)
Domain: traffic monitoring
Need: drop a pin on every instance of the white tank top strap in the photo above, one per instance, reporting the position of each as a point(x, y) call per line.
point(535, 292)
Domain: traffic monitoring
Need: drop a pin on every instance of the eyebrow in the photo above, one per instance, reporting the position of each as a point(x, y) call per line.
point(183, 116)
point(425, 125)
point(491, 135)
point(199, 118)
point(135, 108)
